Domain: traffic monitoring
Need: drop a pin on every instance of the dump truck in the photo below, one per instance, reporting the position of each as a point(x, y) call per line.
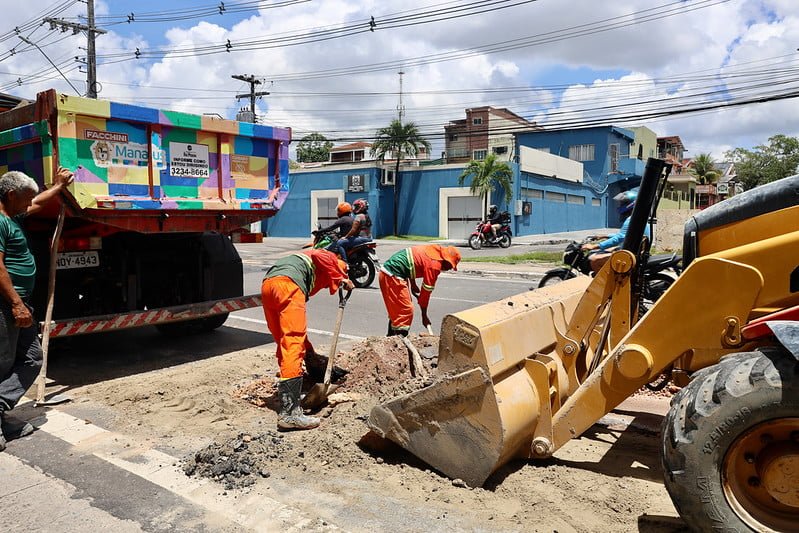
point(521, 377)
point(148, 219)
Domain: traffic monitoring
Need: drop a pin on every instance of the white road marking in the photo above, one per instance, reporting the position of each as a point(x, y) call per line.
point(255, 510)
point(310, 330)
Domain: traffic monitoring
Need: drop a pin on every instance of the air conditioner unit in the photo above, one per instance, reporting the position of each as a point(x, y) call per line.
point(387, 177)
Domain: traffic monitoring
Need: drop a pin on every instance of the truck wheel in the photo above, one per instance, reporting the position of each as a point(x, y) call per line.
point(189, 327)
point(731, 444)
point(213, 322)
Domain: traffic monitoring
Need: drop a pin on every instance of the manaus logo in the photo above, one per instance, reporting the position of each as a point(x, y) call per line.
point(101, 152)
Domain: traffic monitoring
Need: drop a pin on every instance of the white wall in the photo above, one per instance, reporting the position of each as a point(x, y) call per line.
point(537, 162)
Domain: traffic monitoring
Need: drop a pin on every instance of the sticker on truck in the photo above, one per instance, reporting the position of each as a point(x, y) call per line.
point(67, 260)
point(188, 160)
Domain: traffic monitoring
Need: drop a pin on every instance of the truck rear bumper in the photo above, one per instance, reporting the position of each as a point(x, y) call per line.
point(150, 317)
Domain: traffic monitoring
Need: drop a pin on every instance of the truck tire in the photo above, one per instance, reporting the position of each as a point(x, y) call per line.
point(189, 327)
point(731, 444)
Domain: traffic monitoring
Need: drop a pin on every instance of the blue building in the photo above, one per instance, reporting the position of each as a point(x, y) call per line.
point(562, 181)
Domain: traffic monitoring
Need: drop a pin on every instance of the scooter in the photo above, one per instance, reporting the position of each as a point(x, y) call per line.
point(655, 279)
point(362, 259)
point(481, 236)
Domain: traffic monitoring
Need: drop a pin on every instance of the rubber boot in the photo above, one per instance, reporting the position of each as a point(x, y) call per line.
point(13, 428)
point(291, 416)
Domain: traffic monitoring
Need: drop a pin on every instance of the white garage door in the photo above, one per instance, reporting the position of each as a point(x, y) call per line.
point(463, 214)
point(326, 211)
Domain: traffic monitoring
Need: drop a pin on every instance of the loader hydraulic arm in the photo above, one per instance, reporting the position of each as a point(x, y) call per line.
point(682, 321)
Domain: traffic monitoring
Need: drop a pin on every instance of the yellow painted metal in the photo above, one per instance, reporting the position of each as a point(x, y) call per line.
point(760, 475)
point(522, 376)
point(483, 409)
point(676, 324)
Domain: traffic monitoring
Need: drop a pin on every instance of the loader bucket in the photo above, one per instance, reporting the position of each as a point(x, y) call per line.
point(484, 405)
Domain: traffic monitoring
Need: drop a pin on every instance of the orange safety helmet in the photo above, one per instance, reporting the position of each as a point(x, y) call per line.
point(344, 208)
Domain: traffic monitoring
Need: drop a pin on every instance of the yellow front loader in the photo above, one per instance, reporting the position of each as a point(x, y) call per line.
point(520, 377)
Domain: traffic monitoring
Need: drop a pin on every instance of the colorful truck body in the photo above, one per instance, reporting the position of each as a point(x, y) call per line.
point(155, 199)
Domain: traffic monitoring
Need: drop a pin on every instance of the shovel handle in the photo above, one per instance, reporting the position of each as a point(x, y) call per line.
point(342, 298)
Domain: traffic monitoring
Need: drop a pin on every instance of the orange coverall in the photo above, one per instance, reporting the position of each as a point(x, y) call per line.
point(422, 261)
point(293, 280)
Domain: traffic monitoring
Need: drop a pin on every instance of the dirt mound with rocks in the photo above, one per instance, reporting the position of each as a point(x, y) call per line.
point(377, 367)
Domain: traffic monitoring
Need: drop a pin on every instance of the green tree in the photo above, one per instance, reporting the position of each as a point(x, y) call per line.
point(486, 176)
point(399, 141)
point(313, 148)
point(704, 169)
point(766, 162)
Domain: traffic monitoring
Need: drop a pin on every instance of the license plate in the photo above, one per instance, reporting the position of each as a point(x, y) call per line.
point(68, 260)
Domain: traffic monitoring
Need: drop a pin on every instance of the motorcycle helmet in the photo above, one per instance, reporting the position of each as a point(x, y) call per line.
point(626, 201)
point(492, 209)
point(344, 208)
point(360, 205)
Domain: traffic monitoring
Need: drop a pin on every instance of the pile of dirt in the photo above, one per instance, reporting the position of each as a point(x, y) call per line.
point(377, 366)
point(238, 462)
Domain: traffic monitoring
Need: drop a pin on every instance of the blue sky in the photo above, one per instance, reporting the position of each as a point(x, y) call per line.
point(694, 52)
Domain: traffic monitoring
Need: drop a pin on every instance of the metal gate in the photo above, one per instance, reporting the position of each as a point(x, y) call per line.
point(326, 210)
point(463, 214)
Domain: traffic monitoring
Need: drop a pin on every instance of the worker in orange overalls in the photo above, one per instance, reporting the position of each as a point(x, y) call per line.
point(401, 270)
point(284, 291)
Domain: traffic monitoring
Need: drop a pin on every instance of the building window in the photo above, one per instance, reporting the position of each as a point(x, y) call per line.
point(479, 155)
point(555, 197)
point(613, 151)
point(596, 202)
point(477, 121)
point(453, 137)
point(581, 152)
point(535, 194)
point(499, 150)
point(574, 199)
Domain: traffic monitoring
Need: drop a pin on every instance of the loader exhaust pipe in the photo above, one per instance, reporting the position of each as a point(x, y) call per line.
point(643, 206)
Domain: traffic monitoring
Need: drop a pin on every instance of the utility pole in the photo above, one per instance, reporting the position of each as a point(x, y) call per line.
point(252, 94)
point(400, 107)
point(91, 33)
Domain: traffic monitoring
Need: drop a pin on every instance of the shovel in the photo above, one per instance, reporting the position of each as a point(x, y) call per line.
point(317, 395)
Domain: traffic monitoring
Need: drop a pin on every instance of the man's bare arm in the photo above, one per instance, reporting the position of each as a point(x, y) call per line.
point(62, 178)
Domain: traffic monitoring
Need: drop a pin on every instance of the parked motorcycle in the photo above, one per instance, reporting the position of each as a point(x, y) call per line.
point(362, 260)
point(655, 278)
point(481, 236)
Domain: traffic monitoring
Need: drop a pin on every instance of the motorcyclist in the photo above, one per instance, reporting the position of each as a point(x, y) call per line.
point(361, 230)
point(341, 226)
point(495, 219)
point(625, 201)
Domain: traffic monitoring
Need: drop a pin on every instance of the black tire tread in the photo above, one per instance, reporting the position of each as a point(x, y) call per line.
point(725, 383)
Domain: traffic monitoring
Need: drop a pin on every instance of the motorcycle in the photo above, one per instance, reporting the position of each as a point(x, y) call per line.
point(362, 260)
point(481, 236)
point(655, 279)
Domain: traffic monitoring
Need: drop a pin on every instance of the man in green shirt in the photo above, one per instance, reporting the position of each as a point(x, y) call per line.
point(20, 351)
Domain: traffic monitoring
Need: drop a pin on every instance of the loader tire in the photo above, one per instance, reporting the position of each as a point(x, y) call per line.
point(731, 444)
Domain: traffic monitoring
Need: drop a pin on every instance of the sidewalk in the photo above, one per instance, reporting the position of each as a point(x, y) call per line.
point(539, 239)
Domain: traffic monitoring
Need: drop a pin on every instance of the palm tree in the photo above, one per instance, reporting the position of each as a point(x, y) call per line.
point(704, 169)
point(486, 176)
point(398, 140)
